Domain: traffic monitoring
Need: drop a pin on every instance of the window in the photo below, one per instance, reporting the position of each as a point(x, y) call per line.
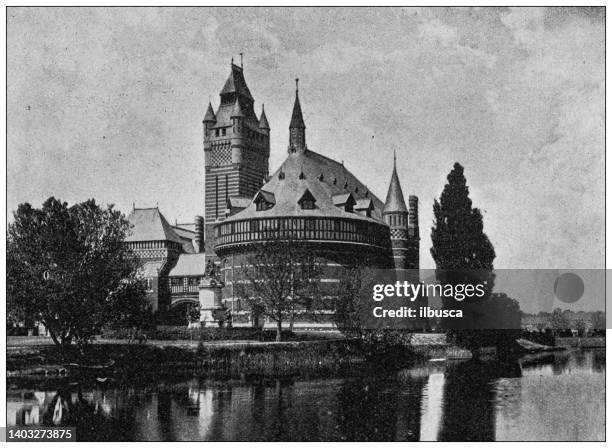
point(261, 205)
point(223, 131)
point(307, 201)
point(216, 132)
point(308, 204)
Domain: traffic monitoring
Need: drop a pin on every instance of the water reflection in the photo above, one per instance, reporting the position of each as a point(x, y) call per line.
point(552, 397)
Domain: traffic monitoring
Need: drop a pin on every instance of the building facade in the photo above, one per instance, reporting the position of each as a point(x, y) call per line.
point(311, 199)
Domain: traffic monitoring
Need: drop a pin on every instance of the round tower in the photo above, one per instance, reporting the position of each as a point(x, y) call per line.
point(402, 223)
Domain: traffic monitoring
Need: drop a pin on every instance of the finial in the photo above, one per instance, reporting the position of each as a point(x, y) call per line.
point(297, 80)
point(394, 158)
point(232, 60)
point(133, 206)
point(241, 60)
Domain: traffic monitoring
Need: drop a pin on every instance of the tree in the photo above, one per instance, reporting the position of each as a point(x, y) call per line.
point(598, 320)
point(280, 277)
point(459, 241)
point(462, 252)
point(68, 268)
point(377, 340)
point(559, 320)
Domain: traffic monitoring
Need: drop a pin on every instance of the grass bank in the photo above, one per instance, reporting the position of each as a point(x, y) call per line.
point(238, 358)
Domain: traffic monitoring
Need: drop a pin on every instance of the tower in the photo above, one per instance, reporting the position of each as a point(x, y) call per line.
point(297, 128)
point(404, 225)
point(236, 150)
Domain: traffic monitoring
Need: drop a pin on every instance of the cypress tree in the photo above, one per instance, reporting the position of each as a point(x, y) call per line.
point(463, 255)
point(459, 242)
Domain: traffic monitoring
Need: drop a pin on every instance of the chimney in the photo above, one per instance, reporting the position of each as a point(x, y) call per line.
point(199, 233)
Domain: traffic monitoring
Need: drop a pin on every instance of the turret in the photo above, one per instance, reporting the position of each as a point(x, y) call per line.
point(263, 121)
point(209, 117)
point(208, 122)
point(297, 128)
point(403, 223)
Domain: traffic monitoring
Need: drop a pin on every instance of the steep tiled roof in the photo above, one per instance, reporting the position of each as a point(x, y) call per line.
point(148, 224)
point(301, 172)
point(236, 84)
point(189, 265)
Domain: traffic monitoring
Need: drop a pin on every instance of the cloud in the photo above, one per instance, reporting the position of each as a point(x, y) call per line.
point(108, 102)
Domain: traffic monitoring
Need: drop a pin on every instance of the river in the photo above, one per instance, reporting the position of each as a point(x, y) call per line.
point(557, 397)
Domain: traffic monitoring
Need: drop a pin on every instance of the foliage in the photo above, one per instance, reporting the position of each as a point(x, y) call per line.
point(559, 320)
point(350, 316)
point(464, 255)
point(280, 277)
point(68, 268)
point(459, 242)
point(193, 313)
point(598, 319)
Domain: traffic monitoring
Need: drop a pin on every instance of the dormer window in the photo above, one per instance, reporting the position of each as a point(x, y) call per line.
point(307, 201)
point(281, 175)
point(264, 200)
point(344, 201)
point(364, 207)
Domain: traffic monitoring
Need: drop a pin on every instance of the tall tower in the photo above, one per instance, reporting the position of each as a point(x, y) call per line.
point(404, 226)
point(236, 151)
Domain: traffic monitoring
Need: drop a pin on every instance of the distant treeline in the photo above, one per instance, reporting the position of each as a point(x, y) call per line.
point(565, 319)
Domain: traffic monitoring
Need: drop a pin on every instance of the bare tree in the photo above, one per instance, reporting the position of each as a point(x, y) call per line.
point(280, 278)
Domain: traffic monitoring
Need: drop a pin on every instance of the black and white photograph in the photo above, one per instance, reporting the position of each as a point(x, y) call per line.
point(305, 224)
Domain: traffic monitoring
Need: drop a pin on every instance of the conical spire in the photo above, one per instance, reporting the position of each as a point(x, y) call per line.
point(210, 117)
point(263, 120)
point(297, 128)
point(237, 110)
point(297, 121)
point(395, 198)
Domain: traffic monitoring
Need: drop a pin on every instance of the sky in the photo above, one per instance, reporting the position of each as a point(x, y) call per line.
point(108, 103)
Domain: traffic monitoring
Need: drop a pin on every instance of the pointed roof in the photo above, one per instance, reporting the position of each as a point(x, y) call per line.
point(236, 84)
point(150, 225)
point(288, 189)
point(210, 114)
point(395, 198)
point(297, 121)
point(263, 120)
point(237, 110)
